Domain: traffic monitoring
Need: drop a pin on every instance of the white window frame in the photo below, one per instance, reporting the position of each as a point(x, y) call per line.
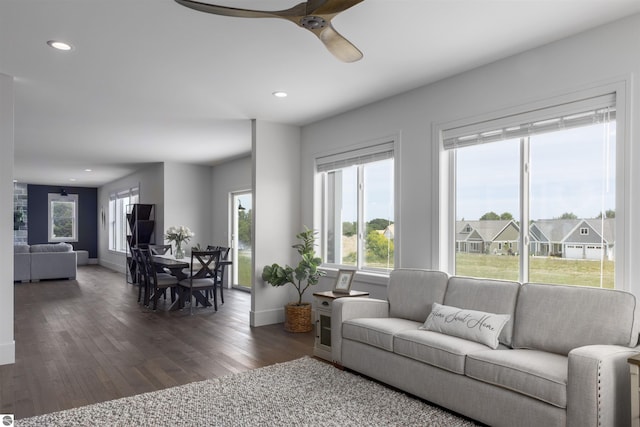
point(117, 220)
point(444, 169)
point(320, 208)
point(59, 197)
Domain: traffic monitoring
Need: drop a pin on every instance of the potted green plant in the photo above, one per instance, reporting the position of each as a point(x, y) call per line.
point(304, 275)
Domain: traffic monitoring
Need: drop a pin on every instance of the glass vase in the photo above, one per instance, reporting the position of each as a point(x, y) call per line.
point(179, 253)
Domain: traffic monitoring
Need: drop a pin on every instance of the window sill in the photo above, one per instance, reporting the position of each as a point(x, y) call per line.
point(362, 276)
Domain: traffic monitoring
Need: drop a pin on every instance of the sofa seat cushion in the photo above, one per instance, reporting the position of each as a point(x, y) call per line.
point(534, 373)
point(377, 332)
point(436, 349)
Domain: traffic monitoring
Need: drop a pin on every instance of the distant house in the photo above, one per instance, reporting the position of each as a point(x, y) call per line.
point(567, 238)
point(389, 231)
point(487, 237)
point(547, 236)
point(590, 239)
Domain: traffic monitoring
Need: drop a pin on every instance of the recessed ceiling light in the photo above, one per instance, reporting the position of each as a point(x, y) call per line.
point(88, 170)
point(72, 179)
point(280, 94)
point(59, 45)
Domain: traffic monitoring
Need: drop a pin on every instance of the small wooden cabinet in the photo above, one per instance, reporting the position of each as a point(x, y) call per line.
point(634, 368)
point(322, 305)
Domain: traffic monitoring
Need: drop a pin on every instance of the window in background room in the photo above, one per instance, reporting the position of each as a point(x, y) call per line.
point(358, 214)
point(553, 173)
point(118, 218)
point(63, 217)
point(242, 273)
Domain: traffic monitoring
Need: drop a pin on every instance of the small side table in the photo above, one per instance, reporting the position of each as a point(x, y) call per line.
point(634, 368)
point(323, 303)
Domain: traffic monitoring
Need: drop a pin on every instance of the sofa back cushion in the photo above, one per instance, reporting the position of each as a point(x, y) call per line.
point(411, 292)
point(21, 248)
point(52, 247)
point(488, 295)
point(558, 318)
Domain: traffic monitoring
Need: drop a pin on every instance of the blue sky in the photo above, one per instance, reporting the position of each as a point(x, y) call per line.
point(571, 171)
point(378, 192)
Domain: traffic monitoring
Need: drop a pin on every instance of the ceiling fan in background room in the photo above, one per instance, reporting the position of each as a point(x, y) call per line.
point(313, 15)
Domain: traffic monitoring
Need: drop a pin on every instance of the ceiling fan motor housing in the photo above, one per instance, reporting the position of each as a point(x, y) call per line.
point(311, 22)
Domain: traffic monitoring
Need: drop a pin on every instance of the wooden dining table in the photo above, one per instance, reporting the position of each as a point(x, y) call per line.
point(179, 269)
point(175, 266)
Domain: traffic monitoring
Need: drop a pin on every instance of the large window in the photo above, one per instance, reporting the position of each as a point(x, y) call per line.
point(535, 200)
point(118, 203)
point(358, 207)
point(63, 217)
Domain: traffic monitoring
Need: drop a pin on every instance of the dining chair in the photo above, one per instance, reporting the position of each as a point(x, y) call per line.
point(221, 267)
point(157, 283)
point(161, 249)
point(202, 277)
point(141, 274)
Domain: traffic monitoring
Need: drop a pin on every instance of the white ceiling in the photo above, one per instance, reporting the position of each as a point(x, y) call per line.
point(150, 80)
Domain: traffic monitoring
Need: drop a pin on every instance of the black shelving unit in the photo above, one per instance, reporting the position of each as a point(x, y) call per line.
point(141, 221)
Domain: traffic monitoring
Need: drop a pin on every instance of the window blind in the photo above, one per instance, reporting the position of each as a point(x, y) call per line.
point(359, 156)
point(566, 116)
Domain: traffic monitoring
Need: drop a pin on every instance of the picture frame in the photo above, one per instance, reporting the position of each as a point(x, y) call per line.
point(343, 281)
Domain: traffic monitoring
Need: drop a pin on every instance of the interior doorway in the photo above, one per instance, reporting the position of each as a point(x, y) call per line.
point(242, 252)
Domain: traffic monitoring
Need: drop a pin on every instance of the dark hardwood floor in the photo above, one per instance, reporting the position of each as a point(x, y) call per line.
point(84, 341)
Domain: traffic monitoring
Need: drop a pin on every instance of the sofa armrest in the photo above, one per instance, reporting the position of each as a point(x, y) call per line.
point(53, 265)
point(21, 267)
point(352, 308)
point(598, 386)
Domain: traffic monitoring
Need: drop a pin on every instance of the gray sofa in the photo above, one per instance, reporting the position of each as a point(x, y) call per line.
point(45, 261)
point(561, 358)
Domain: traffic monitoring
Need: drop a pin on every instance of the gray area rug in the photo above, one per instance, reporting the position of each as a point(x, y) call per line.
point(303, 392)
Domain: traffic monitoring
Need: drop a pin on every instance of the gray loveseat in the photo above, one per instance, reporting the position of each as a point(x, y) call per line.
point(45, 261)
point(561, 358)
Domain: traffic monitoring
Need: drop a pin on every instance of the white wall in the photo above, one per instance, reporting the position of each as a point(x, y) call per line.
point(150, 180)
point(187, 201)
point(229, 177)
point(276, 214)
point(603, 55)
point(7, 343)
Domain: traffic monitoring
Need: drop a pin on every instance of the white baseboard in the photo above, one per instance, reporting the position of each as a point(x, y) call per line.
point(7, 353)
point(112, 266)
point(267, 317)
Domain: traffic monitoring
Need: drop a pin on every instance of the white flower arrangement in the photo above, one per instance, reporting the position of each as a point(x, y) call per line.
point(178, 234)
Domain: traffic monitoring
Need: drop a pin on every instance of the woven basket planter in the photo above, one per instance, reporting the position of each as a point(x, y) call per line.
point(297, 318)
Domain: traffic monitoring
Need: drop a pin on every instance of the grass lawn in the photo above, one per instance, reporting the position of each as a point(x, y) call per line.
point(244, 269)
point(541, 269)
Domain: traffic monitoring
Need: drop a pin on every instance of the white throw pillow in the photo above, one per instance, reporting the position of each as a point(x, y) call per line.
point(472, 325)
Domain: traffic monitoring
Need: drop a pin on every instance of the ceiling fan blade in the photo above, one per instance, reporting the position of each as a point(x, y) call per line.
point(313, 15)
point(329, 7)
point(296, 11)
point(340, 47)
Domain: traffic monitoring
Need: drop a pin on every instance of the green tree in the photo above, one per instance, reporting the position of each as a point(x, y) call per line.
point(379, 248)
point(506, 216)
point(489, 216)
point(377, 224)
point(63, 219)
point(608, 214)
point(244, 227)
point(568, 215)
point(349, 228)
